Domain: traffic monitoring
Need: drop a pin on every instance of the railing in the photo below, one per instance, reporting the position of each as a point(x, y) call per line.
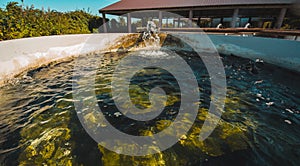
point(275, 33)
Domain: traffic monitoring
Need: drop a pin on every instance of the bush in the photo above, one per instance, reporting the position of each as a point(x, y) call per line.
point(17, 22)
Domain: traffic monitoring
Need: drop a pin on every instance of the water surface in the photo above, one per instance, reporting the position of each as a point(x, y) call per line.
point(260, 123)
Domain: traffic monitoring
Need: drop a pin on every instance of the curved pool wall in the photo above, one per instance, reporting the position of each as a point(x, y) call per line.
point(279, 52)
point(17, 55)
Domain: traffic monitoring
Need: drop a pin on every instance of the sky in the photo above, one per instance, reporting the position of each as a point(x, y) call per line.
point(65, 5)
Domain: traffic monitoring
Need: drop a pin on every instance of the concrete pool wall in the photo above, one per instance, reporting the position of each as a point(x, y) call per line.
point(283, 53)
point(279, 52)
point(17, 55)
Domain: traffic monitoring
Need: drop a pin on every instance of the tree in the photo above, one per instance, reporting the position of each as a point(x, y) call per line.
point(17, 22)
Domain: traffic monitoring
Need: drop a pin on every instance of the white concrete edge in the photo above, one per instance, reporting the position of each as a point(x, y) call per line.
point(17, 55)
point(279, 52)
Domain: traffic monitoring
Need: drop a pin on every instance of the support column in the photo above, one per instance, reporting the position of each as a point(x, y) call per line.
point(199, 21)
point(178, 22)
point(222, 20)
point(160, 19)
point(104, 23)
point(210, 22)
point(167, 22)
point(280, 18)
point(234, 17)
point(129, 23)
point(144, 24)
point(250, 20)
point(191, 19)
point(174, 22)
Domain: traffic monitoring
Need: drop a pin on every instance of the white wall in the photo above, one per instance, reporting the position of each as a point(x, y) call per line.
point(283, 53)
point(280, 52)
point(16, 55)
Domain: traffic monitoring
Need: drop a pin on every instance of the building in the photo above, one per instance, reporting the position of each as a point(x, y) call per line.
point(205, 13)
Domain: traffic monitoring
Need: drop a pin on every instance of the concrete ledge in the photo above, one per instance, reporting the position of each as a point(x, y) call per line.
point(17, 55)
point(279, 52)
point(283, 53)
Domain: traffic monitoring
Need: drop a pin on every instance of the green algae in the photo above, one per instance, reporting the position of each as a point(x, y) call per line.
point(228, 136)
point(46, 139)
point(140, 98)
point(112, 158)
point(50, 144)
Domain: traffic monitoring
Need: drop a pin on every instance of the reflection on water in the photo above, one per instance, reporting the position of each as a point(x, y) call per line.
point(260, 124)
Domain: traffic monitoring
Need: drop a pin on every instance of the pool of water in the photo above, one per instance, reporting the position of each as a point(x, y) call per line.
point(260, 124)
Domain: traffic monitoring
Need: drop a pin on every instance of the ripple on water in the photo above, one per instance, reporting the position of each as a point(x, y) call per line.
point(39, 123)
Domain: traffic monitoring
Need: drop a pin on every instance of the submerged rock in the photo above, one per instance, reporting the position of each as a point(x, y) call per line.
point(47, 139)
point(51, 149)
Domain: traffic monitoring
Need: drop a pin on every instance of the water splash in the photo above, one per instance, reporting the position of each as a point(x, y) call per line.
point(219, 26)
point(248, 25)
point(150, 37)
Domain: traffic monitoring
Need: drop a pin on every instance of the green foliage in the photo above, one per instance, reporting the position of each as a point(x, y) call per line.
point(17, 22)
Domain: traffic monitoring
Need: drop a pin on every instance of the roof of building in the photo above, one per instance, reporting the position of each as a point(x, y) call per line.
point(164, 4)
